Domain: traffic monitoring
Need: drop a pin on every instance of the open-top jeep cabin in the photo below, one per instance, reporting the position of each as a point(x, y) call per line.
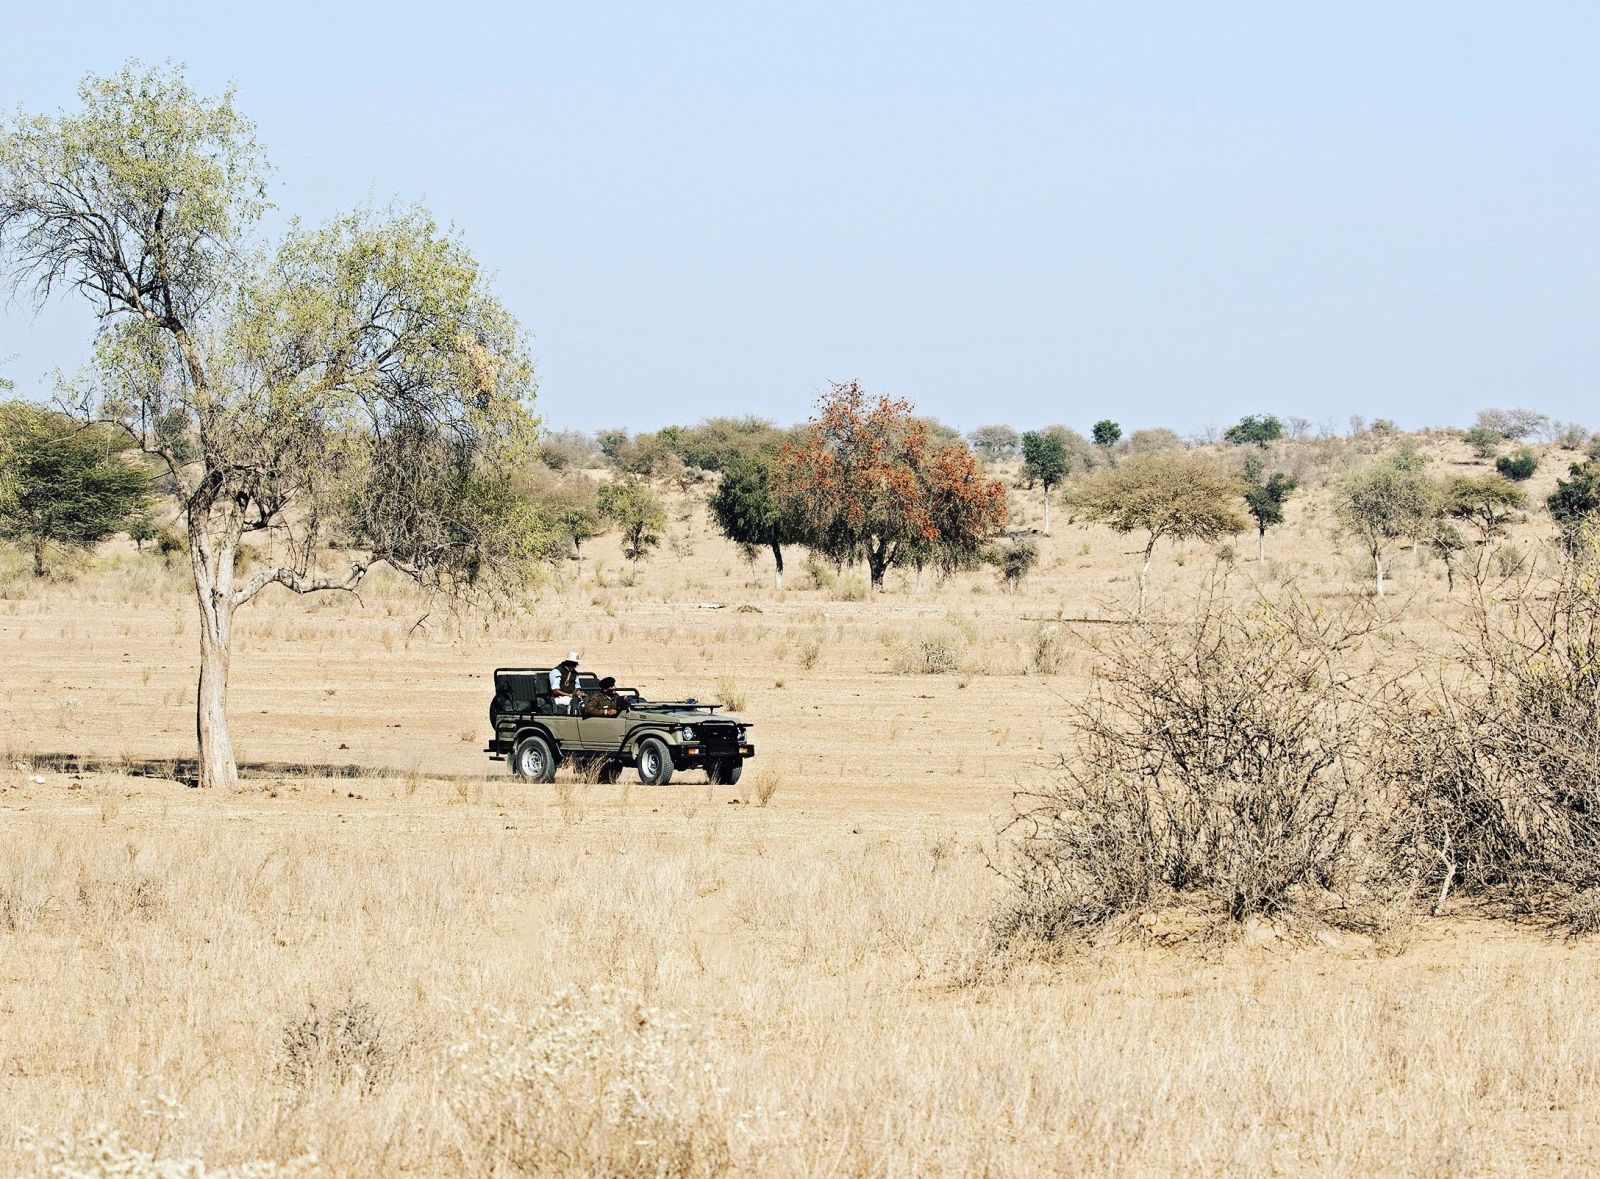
point(603, 729)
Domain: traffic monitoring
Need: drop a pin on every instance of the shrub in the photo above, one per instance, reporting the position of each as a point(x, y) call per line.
point(1572, 436)
point(810, 652)
point(1484, 441)
point(1500, 760)
point(103, 1152)
point(564, 450)
point(171, 543)
point(1575, 503)
point(1153, 440)
point(850, 588)
point(731, 693)
point(935, 655)
point(1257, 429)
point(1519, 466)
point(1218, 763)
point(1015, 559)
point(1048, 650)
point(346, 1043)
point(598, 1083)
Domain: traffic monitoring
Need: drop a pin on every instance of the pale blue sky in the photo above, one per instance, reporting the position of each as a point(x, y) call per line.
point(1168, 213)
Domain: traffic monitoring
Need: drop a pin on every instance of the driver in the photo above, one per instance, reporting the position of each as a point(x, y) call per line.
point(603, 701)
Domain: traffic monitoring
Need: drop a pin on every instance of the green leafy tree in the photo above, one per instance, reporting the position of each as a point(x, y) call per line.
point(143, 530)
point(71, 486)
point(1166, 496)
point(1387, 500)
point(611, 442)
point(1105, 433)
point(1519, 466)
point(1484, 501)
point(634, 509)
point(1045, 461)
point(357, 380)
point(1575, 503)
point(1484, 441)
point(1015, 559)
point(1264, 497)
point(1445, 542)
point(748, 511)
point(568, 502)
point(1257, 429)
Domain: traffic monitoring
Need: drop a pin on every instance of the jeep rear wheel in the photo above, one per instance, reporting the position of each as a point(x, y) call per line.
point(533, 760)
point(726, 772)
point(655, 762)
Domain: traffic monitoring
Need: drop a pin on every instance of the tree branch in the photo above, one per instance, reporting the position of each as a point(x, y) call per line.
point(299, 582)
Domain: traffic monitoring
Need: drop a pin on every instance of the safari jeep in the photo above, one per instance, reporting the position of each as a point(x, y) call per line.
point(535, 735)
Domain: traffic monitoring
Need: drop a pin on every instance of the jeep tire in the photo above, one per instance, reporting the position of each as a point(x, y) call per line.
point(725, 771)
point(533, 760)
point(655, 762)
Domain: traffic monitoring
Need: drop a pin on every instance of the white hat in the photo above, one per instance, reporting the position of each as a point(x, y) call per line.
point(572, 657)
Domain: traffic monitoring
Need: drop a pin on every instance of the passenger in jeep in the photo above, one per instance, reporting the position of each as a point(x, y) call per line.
point(564, 685)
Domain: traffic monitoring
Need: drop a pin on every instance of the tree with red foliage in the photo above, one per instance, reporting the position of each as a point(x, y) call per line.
point(865, 481)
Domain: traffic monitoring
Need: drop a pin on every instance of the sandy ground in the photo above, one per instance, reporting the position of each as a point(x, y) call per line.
point(833, 934)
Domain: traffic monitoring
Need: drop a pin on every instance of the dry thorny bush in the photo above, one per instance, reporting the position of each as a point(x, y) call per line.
point(1499, 761)
point(1218, 760)
point(1273, 761)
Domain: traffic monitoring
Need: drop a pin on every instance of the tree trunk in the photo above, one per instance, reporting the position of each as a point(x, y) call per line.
point(38, 558)
point(1377, 562)
point(777, 565)
point(1047, 509)
point(1144, 576)
point(212, 560)
point(877, 564)
point(1261, 546)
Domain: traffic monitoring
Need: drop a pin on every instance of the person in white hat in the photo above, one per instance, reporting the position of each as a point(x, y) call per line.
point(564, 683)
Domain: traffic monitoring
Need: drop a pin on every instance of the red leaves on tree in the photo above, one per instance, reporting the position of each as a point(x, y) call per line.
point(868, 481)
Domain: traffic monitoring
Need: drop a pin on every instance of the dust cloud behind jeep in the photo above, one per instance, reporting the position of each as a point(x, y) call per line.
point(535, 735)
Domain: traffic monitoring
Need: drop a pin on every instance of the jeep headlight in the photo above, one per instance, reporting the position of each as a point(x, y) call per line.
point(686, 733)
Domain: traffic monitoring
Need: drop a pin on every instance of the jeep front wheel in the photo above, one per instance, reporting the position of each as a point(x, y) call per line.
point(655, 762)
point(726, 772)
point(533, 761)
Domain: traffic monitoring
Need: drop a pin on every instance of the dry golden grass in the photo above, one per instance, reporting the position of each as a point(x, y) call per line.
point(392, 973)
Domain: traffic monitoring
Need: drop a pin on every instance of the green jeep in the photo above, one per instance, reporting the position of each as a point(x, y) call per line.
point(536, 735)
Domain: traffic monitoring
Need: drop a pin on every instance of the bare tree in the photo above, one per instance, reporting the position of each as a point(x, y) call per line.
point(357, 378)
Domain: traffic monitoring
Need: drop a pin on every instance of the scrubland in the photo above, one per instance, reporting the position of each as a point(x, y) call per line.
point(383, 956)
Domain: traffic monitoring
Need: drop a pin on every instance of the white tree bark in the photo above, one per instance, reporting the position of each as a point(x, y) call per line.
point(212, 561)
